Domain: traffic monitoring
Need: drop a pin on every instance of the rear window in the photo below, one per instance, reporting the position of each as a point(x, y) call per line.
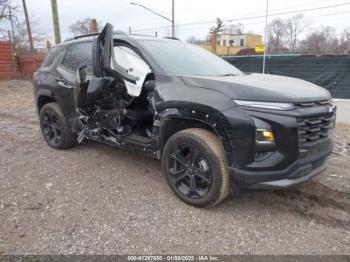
point(79, 55)
point(53, 53)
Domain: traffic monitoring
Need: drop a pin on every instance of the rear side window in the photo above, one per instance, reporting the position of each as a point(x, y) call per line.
point(79, 55)
point(54, 53)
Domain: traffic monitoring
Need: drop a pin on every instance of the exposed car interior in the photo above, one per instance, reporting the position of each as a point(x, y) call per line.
point(116, 106)
point(137, 98)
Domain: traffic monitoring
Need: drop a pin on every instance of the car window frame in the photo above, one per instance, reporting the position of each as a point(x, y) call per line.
point(69, 50)
point(53, 55)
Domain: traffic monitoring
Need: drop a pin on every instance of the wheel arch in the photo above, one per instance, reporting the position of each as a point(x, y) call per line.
point(174, 120)
point(43, 100)
point(44, 97)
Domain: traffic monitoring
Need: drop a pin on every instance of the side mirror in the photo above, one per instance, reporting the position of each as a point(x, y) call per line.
point(150, 85)
point(81, 75)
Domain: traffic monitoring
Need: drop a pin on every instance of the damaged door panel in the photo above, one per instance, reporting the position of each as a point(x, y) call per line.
point(216, 129)
point(103, 54)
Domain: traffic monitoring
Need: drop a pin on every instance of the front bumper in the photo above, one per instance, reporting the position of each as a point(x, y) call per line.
point(300, 171)
point(290, 182)
point(303, 144)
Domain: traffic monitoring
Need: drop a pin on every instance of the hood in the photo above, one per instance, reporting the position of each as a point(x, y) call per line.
point(259, 87)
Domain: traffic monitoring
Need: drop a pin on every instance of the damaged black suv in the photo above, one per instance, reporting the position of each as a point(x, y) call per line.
point(216, 130)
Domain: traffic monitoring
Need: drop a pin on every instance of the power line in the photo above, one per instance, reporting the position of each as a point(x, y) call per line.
point(295, 11)
point(246, 14)
point(248, 18)
point(281, 8)
point(262, 22)
point(262, 16)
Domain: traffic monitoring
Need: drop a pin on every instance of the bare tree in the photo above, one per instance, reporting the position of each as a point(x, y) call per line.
point(345, 41)
point(8, 11)
point(233, 29)
point(82, 27)
point(21, 36)
point(293, 28)
point(4, 33)
point(346, 34)
point(276, 35)
point(17, 25)
point(321, 41)
point(194, 40)
point(191, 39)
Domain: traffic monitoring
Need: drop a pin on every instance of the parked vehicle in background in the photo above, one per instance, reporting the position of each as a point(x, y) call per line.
point(216, 130)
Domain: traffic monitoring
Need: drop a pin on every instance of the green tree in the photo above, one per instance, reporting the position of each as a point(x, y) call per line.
point(218, 28)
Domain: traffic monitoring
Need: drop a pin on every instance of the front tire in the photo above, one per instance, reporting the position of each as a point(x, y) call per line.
point(195, 166)
point(55, 127)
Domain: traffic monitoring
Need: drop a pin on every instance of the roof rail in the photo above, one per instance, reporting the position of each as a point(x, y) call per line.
point(142, 35)
point(80, 36)
point(174, 38)
point(92, 34)
point(118, 32)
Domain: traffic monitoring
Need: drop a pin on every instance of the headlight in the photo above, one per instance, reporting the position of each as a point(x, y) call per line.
point(266, 105)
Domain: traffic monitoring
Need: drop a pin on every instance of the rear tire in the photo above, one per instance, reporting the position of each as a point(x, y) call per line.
point(195, 166)
point(55, 127)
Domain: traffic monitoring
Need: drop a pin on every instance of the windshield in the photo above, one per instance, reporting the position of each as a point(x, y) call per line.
point(180, 58)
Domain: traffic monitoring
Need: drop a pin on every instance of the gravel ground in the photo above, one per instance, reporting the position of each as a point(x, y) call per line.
point(94, 199)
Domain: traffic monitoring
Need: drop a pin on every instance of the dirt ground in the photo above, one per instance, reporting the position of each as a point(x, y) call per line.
point(94, 199)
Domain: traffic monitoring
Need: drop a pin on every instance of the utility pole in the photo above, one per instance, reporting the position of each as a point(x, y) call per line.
point(173, 19)
point(265, 36)
point(55, 20)
point(11, 21)
point(12, 50)
point(28, 26)
point(14, 69)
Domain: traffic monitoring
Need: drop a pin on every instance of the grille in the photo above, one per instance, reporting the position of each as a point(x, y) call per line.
point(311, 104)
point(313, 129)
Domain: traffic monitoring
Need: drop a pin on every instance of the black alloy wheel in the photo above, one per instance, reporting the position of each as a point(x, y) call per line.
point(195, 166)
point(190, 172)
point(55, 127)
point(52, 128)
